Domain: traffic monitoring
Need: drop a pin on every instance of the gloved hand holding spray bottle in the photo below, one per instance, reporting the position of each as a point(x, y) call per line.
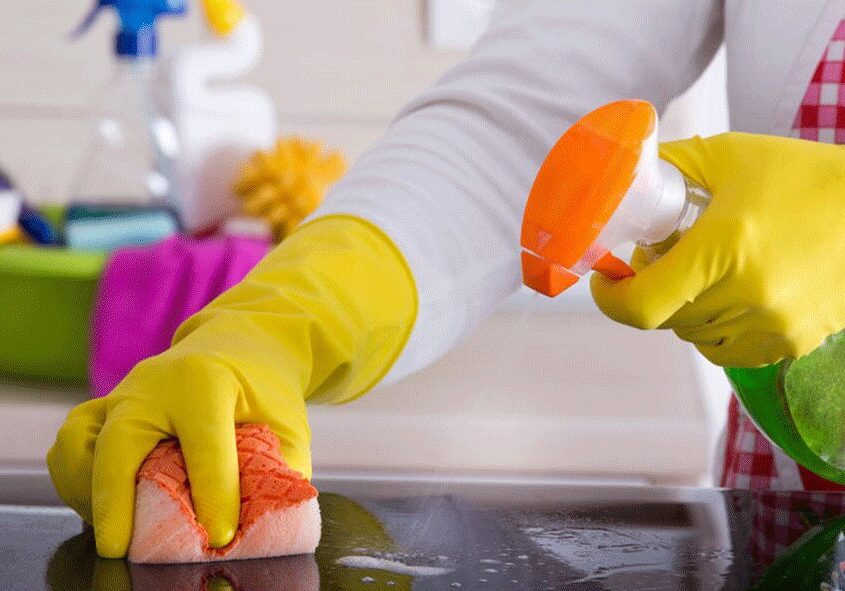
point(603, 185)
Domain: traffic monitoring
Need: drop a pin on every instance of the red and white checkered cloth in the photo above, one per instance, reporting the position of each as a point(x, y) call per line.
point(750, 460)
point(788, 498)
point(780, 518)
point(821, 116)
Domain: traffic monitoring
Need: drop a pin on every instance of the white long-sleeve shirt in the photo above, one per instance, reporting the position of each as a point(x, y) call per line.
point(449, 180)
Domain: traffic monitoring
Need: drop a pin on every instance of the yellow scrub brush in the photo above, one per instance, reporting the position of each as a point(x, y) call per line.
point(285, 184)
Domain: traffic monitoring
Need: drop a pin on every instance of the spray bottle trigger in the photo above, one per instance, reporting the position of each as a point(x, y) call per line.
point(546, 277)
point(136, 34)
point(613, 267)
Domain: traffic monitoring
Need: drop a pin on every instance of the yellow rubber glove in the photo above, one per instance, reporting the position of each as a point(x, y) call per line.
point(321, 317)
point(760, 275)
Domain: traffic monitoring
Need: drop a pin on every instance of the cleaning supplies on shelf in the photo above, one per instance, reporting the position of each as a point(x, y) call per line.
point(86, 211)
point(54, 213)
point(37, 227)
point(602, 186)
point(219, 125)
point(46, 295)
point(12, 235)
point(248, 227)
point(133, 147)
point(284, 185)
point(91, 227)
point(20, 222)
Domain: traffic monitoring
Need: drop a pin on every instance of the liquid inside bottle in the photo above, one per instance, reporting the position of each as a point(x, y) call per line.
point(814, 389)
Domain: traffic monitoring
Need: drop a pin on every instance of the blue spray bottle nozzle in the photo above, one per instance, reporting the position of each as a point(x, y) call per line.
point(137, 34)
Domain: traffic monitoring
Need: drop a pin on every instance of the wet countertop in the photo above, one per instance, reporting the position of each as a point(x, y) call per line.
point(392, 535)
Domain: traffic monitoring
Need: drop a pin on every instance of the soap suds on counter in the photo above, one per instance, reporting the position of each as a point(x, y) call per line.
point(393, 566)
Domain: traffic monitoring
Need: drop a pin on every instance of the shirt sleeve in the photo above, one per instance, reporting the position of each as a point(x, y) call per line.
point(449, 180)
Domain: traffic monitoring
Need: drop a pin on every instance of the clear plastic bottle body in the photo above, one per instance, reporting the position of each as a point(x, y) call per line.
point(697, 200)
point(132, 147)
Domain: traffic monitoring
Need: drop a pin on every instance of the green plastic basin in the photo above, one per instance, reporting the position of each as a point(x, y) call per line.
point(46, 297)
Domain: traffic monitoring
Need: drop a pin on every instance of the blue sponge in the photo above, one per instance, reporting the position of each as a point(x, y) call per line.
point(118, 229)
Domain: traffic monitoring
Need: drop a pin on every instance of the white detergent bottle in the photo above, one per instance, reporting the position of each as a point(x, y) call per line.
point(218, 126)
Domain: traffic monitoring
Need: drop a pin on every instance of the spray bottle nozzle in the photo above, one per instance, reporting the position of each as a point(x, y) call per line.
point(137, 34)
point(602, 185)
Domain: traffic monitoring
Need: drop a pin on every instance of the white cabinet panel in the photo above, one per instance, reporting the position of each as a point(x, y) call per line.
point(555, 396)
point(535, 393)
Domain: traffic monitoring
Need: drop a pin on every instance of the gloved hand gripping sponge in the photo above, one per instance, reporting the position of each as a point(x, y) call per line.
point(279, 511)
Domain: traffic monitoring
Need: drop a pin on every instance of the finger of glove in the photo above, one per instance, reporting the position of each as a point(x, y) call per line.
point(219, 583)
point(121, 448)
point(639, 259)
point(211, 457)
point(691, 156)
point(719, 331)
point(711, 310)
point(70, 460)
point(706, 308)
point(289, 421)
point(715, 305)
point(294, 433)
point(751, 349)
point(659, 290)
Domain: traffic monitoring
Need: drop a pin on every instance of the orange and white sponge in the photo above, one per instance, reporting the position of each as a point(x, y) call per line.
point(279, 511)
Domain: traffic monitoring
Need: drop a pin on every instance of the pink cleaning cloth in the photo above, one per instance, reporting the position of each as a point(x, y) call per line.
point(146, 292)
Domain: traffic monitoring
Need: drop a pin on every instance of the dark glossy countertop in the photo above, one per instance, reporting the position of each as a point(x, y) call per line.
point(461, 535)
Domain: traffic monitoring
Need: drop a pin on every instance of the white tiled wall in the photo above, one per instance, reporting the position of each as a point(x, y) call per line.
point(541, 390)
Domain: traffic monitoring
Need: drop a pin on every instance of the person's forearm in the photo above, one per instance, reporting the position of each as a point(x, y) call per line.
point(449, 180)
point(323, 316)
